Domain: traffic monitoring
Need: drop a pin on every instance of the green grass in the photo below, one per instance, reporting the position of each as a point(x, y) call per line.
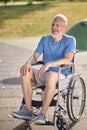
point(35, 20)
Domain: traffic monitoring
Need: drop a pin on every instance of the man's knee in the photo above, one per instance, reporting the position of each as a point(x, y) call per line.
point(25, 77)
point(51, 79)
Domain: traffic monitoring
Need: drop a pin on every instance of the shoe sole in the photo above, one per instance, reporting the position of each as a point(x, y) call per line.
point(21, 117)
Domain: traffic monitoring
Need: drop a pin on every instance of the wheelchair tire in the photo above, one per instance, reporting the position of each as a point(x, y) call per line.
point(76, 98)
point(61, 123)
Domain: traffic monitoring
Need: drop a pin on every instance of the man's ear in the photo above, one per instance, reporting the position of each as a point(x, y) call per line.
point(65, 28)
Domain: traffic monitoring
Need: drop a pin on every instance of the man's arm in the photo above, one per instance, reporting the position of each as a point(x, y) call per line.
point(64, 61)
point(33, 58)
point(27, 66)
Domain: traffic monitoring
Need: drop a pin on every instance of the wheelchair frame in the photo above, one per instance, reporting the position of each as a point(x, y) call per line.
point(73, 94)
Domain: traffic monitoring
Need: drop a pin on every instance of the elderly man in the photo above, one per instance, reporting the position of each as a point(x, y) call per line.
point(57, 49)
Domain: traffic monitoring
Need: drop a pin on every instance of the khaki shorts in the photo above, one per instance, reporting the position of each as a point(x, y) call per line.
point(41, 81)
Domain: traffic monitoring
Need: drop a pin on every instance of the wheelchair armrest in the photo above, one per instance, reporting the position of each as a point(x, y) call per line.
point(61, 67)
point(38, 63)
point(72, 66)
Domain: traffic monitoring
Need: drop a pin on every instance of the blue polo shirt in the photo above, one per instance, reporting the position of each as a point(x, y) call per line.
point(56, 50)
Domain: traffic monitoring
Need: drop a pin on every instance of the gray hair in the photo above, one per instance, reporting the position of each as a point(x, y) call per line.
point(63, 17)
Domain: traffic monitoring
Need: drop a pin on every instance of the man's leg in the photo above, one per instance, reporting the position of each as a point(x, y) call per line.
point(51, 81)
point(26, 83)
point(27, 79)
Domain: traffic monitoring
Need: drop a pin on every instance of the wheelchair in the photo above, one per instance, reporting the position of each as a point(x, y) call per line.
point(68, 102)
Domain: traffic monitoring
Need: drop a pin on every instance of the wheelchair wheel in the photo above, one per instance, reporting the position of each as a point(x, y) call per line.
point(76, 98)
point(61, 123)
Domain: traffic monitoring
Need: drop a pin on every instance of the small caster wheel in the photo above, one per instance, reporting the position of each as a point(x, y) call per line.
point(61, 123)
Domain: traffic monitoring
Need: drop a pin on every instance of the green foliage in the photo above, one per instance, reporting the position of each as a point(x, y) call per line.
point(35, 19)
point(5, 1)
point(30, 2)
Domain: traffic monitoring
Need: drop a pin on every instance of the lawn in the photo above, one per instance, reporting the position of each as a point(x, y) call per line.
point(35, 20)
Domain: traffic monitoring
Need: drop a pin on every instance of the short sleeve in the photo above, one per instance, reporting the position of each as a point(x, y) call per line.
point(71, 45)
point(40, 46)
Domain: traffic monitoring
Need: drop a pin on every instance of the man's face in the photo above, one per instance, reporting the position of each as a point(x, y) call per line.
point(58, 27)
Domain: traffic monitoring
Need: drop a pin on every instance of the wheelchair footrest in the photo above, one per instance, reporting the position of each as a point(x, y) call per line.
point(71, 124)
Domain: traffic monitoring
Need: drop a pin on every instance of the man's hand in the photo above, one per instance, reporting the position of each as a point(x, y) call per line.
point(43, 69)
point(25, 68)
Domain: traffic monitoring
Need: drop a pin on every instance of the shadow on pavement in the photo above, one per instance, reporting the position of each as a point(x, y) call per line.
point(23, 126)
point(11, 81)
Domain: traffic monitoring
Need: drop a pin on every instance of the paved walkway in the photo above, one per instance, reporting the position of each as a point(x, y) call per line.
point(11, 58)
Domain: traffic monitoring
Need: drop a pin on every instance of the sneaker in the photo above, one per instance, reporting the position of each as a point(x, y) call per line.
point(40, 119)
point(23, 114)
